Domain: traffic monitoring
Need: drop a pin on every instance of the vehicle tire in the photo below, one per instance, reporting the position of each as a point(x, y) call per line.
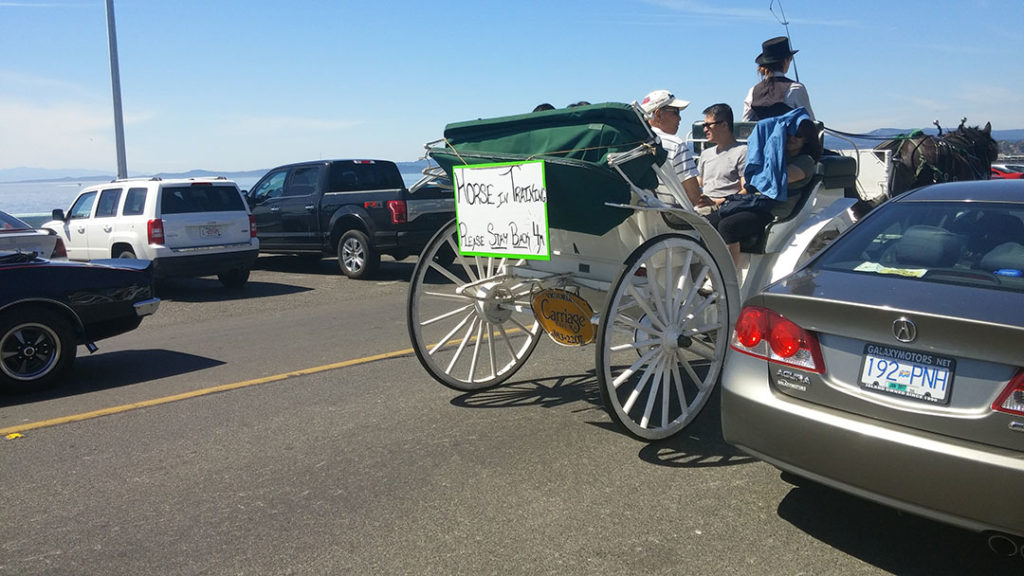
point(37, 348)
point(234, 278)
point(127, 253)
point(356, 257)
point(471, 326)
point(661, 345)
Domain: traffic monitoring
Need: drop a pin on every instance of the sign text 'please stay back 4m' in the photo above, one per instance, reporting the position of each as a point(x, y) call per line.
point(502, 210)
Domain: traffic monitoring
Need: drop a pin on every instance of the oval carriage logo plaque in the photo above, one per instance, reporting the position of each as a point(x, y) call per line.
point(565, 317)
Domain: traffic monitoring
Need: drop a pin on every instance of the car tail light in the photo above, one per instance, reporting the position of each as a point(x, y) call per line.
point(766, 334)
point(398, 212)
point(59, 250)
point(252, 226)
point(1012, 399)
point(155, 231)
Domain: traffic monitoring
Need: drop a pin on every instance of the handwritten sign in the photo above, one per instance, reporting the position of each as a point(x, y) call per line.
point(502, 210)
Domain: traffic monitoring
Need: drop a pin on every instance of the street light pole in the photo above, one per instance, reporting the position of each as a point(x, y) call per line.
point(115, 81)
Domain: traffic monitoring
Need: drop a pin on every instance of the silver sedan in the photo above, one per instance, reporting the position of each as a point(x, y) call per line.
point(891, 366)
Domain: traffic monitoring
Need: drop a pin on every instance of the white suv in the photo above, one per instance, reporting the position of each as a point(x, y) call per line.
point(187, 227)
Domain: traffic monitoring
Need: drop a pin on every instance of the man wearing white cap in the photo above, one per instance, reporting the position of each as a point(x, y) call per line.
point(662, 109)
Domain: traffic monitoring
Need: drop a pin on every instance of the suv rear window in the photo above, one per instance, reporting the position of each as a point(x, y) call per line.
point(364, 175)
point(200, 198)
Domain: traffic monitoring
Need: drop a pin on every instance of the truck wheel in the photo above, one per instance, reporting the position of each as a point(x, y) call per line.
point(37, 348)
point(356, 257)
point(234, 278)
point(126, 253)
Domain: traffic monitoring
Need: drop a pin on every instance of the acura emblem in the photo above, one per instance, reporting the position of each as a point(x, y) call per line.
point(904, 330)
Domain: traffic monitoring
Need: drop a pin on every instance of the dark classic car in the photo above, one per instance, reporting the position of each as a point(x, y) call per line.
point(48, 308)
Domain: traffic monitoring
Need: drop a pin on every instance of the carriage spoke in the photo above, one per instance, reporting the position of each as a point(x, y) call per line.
point(677, 381)
point(675, 303)
point(446, 273)
point(462, 346)
point(645, 421)
point(655, 319)
point(447, 337)
point(490, 349)
point(476, 352)
point(634, 395)
point(446, 315)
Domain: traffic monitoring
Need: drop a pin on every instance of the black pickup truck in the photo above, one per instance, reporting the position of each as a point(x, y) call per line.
point(355, 209)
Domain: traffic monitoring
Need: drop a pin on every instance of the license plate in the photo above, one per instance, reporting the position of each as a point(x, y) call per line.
point(915, 375)
point(209, 232)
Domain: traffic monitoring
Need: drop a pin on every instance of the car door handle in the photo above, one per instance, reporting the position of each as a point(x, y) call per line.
point(81, 230)
point(107, 228)
point(310, 207)
point(275, 209)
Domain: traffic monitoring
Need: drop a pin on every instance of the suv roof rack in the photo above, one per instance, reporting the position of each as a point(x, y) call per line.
point(138, 179)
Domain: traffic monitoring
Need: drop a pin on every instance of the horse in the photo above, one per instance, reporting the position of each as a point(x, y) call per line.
point(966, 153)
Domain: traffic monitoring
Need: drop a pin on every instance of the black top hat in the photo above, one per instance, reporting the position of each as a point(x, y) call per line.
point(775, 50)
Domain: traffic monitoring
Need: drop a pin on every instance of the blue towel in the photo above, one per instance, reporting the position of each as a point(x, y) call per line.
point(766, 153)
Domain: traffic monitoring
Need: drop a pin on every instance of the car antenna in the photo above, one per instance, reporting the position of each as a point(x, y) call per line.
point(785, 23)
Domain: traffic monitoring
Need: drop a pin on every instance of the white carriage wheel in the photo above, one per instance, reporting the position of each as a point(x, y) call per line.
point(661, 344)
point(470, 323)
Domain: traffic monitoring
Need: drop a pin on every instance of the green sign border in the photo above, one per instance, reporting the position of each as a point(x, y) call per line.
point(547, 229)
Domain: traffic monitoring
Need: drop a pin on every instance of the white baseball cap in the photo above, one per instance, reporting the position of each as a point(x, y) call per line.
point(661, 99)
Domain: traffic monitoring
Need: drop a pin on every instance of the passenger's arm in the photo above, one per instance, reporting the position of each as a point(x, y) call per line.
point(692, 189)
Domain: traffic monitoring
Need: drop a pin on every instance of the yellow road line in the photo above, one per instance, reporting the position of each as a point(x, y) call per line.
point(197, 393)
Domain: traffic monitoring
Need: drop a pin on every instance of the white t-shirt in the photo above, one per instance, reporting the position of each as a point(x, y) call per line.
point(796, 96)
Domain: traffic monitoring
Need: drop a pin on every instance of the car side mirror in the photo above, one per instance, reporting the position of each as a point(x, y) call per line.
point(57, 214)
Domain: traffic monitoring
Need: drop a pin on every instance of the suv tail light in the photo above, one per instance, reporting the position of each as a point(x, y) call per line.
point(763, 333)
point(59, 250)
point(398, 212)
point(155, 231)
point(1011, 400)
point(252, 226)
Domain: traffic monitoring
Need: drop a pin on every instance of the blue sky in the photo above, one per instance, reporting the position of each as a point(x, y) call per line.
point(235, 85)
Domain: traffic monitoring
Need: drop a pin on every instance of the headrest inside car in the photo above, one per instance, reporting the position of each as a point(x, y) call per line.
point(926, 246)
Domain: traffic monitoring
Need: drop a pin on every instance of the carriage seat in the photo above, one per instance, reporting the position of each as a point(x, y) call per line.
point(831, 172)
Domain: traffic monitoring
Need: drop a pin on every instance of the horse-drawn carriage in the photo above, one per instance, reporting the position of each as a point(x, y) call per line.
point(618, 258)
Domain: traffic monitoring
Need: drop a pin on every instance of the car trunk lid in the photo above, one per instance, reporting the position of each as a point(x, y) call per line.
point(904, 356)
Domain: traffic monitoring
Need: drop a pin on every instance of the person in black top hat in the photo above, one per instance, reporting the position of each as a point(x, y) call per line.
point(775, 94)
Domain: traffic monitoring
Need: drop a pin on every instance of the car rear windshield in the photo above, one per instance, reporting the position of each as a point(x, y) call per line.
point(8, 222)
point(364, 175)
point(978, 244)
point(200, 198)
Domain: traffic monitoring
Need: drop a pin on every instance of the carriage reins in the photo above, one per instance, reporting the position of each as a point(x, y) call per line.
point(959, 149)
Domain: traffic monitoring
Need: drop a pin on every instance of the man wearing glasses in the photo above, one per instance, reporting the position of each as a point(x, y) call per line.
point(720, 166)
point(662, 110)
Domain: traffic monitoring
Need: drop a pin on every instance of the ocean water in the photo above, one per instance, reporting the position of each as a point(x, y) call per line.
point(38, 198)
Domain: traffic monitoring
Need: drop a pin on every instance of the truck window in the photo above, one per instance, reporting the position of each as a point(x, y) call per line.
point(270, 187)
point(303, 182)
point(364, 175)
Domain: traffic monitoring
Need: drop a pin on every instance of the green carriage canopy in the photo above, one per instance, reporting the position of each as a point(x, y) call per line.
point(575, 144)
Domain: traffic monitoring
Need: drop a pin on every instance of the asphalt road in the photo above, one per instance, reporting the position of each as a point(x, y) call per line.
point(324, 461)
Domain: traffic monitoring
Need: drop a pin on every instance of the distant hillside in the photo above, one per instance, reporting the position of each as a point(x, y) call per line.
point(71, 175)
point(1009, 140)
